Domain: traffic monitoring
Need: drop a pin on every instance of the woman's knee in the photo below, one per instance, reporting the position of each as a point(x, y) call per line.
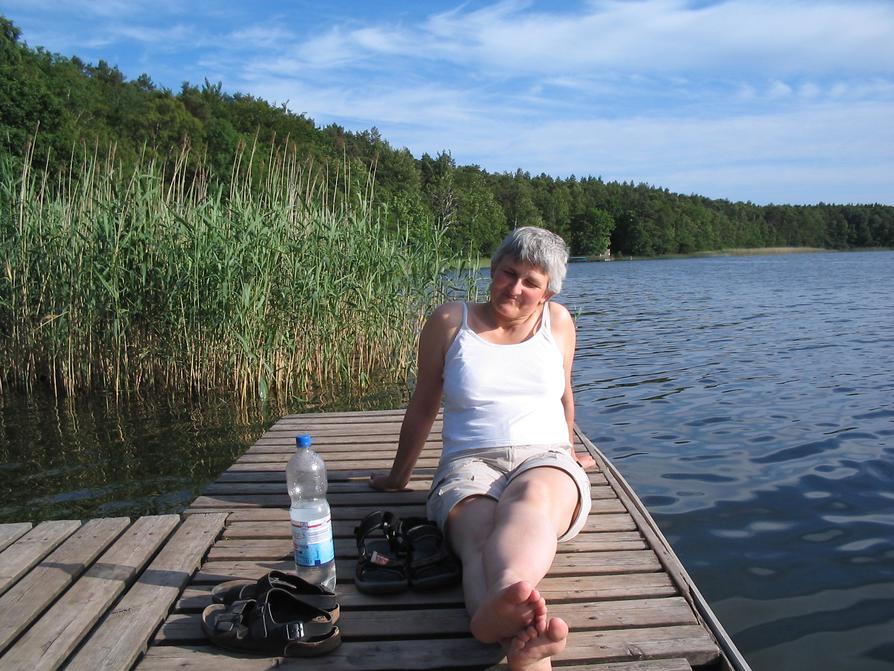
point(545, 486)
point(470, 523)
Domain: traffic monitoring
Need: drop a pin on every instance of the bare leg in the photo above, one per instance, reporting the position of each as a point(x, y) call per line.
point(515, 548)
point(469, 527)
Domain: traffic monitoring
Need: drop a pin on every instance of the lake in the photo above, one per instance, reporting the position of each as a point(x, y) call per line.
point(747, 399)
point(750, 402)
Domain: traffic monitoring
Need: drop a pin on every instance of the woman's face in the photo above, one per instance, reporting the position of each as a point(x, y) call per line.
point(518, 288)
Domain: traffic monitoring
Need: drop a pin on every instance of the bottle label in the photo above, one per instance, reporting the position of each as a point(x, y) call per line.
point(313, 541)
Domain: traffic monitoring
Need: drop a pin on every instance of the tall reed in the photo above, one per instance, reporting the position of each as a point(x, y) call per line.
point(163, 278)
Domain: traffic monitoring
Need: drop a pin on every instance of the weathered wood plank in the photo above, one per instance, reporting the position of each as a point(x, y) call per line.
point(346, 548)
point(48, 642)
point(599, 488)
point(335, 461)
point(577, 563)
point(21, 556)
point(125, 632)
point(347, 415)
point(276, 473)
point(642, 665)
point(342, 508)
point(321, 430)
point(683, 641)
point(365, 497)
point(347, 440)
point(9, 533)
point(392, 624)
point(269, 473)
point(260, 519)
point(456, 654)
point(31, 595)
point(574, 589)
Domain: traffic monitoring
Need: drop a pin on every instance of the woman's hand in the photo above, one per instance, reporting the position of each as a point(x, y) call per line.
point(585, 459)
point(384, 483)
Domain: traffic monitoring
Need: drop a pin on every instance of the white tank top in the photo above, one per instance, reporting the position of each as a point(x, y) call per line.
point(503, 395)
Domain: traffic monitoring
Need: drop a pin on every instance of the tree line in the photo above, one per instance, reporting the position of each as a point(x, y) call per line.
point(62, 111)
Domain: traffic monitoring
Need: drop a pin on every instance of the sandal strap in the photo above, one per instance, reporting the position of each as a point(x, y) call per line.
point(378, 519)
point(264, 625)
point(314, 595)
point(440, 556)
point(233, 617)
point(389, 523)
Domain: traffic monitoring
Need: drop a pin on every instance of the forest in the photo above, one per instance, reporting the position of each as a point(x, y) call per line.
point(60, 110)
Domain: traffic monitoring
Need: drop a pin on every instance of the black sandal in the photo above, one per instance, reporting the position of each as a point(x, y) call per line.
point(276, 624)
point(431, 564)
point(314, 595)
point(381, 566)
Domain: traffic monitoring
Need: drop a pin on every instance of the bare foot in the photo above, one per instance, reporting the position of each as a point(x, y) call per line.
point(508, 613)
point(533, 654)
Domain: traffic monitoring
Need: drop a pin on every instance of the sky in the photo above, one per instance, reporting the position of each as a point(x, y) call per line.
point(782, 101)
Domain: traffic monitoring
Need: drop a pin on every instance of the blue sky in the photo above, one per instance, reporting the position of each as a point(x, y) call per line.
point(764, 100)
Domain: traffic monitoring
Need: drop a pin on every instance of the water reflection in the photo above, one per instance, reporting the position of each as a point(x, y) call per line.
point(96, 457)
point(749, 401)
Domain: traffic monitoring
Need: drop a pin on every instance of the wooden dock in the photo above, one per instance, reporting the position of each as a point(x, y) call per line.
point(115, 594)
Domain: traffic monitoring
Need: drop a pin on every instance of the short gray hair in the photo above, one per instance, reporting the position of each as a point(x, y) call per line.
point(539, 247)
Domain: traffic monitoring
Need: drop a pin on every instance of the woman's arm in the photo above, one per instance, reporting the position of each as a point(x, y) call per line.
point(566, 335)
point(437, 333)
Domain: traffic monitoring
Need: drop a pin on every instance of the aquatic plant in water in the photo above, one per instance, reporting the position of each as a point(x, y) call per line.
point(162, 277)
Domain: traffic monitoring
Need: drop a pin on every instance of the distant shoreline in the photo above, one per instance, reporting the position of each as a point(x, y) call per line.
point(750, 251)
point(484, 262)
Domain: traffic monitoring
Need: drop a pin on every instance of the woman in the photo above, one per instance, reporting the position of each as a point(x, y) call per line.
point(508, 486)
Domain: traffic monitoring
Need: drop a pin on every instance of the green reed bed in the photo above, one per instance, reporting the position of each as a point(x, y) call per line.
point(162, 278)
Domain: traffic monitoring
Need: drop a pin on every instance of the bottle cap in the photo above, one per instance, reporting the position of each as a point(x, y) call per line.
point(303, 440)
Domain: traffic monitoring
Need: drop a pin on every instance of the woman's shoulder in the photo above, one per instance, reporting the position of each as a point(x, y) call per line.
point(559, 315)
point(443, 325)
point(446, 320)
point(448, 314)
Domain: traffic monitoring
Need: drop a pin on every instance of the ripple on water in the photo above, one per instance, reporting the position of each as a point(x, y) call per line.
point(798, 452)
point(698, 477)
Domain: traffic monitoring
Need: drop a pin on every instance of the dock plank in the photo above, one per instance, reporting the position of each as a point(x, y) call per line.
point(360, 485)
point(689, 642)
point(9, 533)
point(125, 632)
point(281, 548)
point(21, 556)
point(571, 589)
point(642, 665)
point(607, 501)
point(47, 644)
point(393, 623)
point(31, 595)
point(578, 563)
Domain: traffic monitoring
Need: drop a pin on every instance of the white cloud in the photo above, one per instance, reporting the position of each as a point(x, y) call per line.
point(260, 37)
point(811, 154)
point(779, 90)
point(660, 36)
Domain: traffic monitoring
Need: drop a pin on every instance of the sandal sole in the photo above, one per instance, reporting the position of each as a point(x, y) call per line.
point(253, 647)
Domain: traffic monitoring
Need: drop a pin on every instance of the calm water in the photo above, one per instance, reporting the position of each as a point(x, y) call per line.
point(749, 400)
point(99, 458)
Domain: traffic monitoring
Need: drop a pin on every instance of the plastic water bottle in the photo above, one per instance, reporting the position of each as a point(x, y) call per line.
point(311, 522)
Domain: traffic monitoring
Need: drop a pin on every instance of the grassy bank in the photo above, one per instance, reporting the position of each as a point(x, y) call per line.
point(162, 278)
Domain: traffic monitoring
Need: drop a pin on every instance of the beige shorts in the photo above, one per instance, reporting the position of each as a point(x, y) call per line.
point(488, 471)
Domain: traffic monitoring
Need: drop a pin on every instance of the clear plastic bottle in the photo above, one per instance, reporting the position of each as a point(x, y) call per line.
point(311, 522)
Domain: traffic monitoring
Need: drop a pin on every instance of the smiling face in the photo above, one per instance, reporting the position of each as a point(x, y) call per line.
point(517, 288)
